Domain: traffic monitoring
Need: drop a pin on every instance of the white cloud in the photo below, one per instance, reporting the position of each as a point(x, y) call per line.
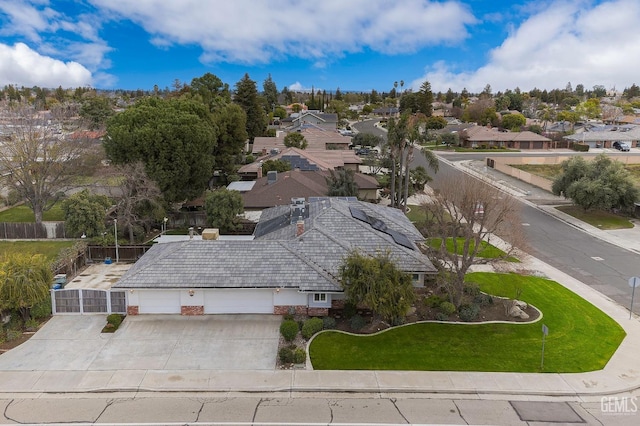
point(298, 87)
point(566, 42)
point(25, 67)
point(249, 31)
point(51, 36)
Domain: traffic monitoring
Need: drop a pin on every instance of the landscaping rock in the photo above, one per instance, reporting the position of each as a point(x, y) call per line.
point(520, 304)
point(517, 312)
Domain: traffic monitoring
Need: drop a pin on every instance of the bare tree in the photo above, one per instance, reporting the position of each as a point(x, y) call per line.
point(463, 216)
point(40, 156)
point(138, 202)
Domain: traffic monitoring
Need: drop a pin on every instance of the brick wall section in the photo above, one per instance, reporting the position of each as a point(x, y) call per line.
point(284, 310)
point(132, 310)
point(318, 312)
point(192, 310)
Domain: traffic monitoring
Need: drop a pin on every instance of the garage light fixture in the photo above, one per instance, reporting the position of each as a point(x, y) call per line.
point(192, 292)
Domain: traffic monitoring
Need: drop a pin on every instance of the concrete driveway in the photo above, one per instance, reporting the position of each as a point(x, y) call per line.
point(150, 342)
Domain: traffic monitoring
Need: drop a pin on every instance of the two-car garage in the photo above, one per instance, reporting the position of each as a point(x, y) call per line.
point(212, 301)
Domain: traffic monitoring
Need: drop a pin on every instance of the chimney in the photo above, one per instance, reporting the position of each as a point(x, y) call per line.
point(259, 171)
point(211, 234)
point(191, 232)
point(264, 151)
point(299, 227)
point(272, 177)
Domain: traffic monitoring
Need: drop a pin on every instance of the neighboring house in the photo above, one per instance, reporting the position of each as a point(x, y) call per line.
point(317, 139)
point(386, 111)
point(480, 136)
point(279, 188)
point(605, 135)
point(305, 159)
point(313, 119)
point(292, 265)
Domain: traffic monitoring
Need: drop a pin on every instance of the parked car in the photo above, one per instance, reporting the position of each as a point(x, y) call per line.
point(363, 151)
point(621, 146)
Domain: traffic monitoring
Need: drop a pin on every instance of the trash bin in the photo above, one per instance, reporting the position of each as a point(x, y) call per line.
point(108, 261)
point(598, 145)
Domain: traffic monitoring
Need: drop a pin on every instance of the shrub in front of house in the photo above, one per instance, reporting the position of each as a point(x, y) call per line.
point(433, 301)
point(357, 322)
point(286, 355)
point(468, 312)
point(289, 330)
point(299, 356)
point(311, 327)
point(442, 317)
point(113, 322)
point(447, 308)
point(328, 323)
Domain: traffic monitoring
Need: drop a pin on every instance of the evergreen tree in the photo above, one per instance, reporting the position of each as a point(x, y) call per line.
point(270, 92)
point(247, 97)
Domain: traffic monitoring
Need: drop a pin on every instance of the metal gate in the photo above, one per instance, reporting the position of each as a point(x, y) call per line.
point(88, 301)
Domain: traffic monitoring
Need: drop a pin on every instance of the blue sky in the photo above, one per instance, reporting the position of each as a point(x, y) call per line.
point(352, 44)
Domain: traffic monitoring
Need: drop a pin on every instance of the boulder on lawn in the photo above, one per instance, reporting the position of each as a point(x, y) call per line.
point(517, 312)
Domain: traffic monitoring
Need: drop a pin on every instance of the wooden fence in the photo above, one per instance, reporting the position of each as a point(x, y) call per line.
point(96, 253)
point(31, 230)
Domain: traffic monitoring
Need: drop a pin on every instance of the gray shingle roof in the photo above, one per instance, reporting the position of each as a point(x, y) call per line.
point(277, 257)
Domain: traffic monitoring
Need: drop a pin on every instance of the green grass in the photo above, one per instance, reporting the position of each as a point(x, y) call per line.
point(581, 337)
point(547, 171)
point(416, 214)
point(25, 214)
point(49, 249)
point(486, 250)
point(597, 218)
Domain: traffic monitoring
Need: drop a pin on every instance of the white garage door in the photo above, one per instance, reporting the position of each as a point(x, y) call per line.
point(159, 302)
point(238, 301)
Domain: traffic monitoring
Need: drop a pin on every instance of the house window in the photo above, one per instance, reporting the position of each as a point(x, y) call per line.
point(416, 277)
point(319, 297)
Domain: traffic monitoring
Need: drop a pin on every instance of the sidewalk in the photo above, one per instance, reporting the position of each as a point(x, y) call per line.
point(621, 374)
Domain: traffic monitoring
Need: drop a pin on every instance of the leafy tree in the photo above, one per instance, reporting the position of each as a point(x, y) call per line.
point(463, 215)
point(211, 91)
point(419, 178)
point(232, 135)
point(338, 107)
point(173, 138)
point(37, 162)
point(85, 213)
point(366, 139)
point(435, 123)
point(247, 97)
point(24, 282)
point(275, 165)
point(418, 102)
point(96, 110)
point(378, 283)
point(513, 121)
point(449, 139)
point(280, 112)
point(223, 207)
point(341, 183)
point(570, 116)
point(602, 183)
point(295, 140)
point(589, 108)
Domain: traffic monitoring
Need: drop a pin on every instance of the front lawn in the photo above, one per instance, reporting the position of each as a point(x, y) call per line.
point(49, 249)
point(598, 218)
point(25, 214)
point(581, 337)
point(486, 251)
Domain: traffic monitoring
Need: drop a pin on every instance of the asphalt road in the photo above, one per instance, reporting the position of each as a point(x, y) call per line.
point(601, 265)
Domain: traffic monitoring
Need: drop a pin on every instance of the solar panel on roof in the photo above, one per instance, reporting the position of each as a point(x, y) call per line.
point(400, 238)
point(359, 214)
point(378, 224)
